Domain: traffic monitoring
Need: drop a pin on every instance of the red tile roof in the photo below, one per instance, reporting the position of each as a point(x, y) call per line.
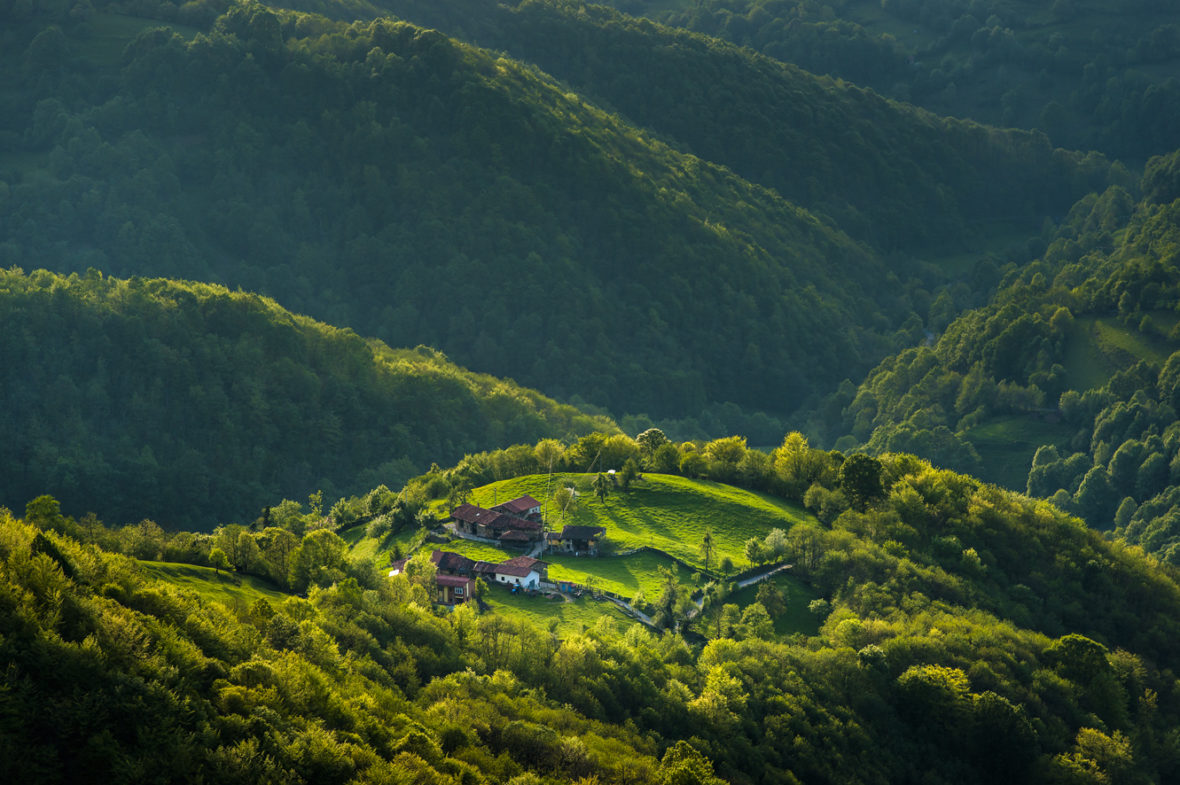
point(528, 562)
point(452, 580)
point(469, 513)
point(447, 561)
point(515, 535)
point(518, 506)
point(510, 569)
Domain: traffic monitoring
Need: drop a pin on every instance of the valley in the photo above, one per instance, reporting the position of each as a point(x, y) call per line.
point(466, 392)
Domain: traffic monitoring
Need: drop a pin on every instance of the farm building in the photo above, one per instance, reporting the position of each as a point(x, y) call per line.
point(578, 540)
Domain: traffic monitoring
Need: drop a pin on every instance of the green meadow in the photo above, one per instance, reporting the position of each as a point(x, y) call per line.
point(1100, 347)
point(570, 617)
point(1006, 446)
point(663, 511)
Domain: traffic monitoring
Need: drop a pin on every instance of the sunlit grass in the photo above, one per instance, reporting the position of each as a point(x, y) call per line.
point(571, 617)
point(796, 619)
point(663, 511)
point(212, 585)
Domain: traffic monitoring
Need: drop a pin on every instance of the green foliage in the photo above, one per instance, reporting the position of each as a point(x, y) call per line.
point(322, 165)
point(1011, 63)
point(1064, 385)
point(881, 170)
point(860, 479)
point(191, 404)
point(1161, 179)
point(1030, 643)
point(667, 512)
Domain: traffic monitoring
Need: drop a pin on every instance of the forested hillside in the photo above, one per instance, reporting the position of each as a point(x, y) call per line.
point(193, 405)
point(970, 635)
point(384, 177)
point(892, 175)
point(1065, 384)
point(1092, 74)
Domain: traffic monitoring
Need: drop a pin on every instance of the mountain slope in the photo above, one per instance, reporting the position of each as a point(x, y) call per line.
point(1011, 63)
point(1064, 385)
point(192, 405)
point(422, 191)
point(895, 176)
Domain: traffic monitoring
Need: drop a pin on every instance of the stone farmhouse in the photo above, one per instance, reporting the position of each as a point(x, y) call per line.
point(517, 521)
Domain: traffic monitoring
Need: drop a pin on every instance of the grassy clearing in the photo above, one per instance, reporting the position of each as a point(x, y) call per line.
point(622, 575)
point(479, 551)
point(796, 619)
point(571, 617)
point(1006, 446)
point(664, 511)
point(211, 585)
point(1100, 347)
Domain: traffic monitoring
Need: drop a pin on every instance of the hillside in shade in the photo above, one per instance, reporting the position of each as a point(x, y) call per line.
point(193, 405)
point(1091, 75)
point(900, 178)
point(387, 178)
point(1065, 385)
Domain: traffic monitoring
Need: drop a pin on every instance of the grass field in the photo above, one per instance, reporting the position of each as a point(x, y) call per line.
point(362, 547)
point(623, 575)
point(212, 585)
point(571, 616)
point(667, 512)
point(479, 551)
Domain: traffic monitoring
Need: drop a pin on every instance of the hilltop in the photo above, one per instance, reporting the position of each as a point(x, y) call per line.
point(949, 604)
point(899, 178)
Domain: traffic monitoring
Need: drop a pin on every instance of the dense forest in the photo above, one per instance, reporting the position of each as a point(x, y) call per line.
point(1073, 368)
point(356, 172)
point(1091, 75)
point(191, 405)
point(939, 238)
point(384, 177)
point(887, 173)
point(1039, 651)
